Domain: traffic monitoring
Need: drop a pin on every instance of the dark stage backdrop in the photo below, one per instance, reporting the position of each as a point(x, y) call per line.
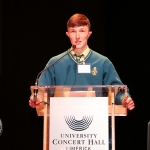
point(0, 37)
point(34, 31)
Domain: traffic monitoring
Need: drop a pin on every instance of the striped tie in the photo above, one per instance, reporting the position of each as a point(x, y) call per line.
point(78, 57)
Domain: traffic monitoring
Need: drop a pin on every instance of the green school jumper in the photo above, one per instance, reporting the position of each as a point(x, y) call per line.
point(65, 72)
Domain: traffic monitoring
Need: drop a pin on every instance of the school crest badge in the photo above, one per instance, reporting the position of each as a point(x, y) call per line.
point(94, 71)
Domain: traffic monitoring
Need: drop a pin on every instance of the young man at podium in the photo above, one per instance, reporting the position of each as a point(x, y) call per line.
point(81, 65)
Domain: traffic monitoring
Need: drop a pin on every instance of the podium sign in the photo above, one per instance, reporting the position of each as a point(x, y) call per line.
point(76, 117)
point(78, 123)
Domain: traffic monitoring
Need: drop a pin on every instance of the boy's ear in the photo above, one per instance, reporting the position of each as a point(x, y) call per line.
point(67, 34)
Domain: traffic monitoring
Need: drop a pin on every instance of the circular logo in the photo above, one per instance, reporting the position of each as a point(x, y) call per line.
point(1, 127)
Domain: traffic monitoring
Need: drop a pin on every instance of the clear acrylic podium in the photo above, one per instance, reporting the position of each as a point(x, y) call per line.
point(65, 129)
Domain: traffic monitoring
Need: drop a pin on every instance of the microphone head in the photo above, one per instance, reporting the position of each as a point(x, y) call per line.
point(74, 46)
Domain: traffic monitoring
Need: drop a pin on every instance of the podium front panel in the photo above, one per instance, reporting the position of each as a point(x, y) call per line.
point(80, 117)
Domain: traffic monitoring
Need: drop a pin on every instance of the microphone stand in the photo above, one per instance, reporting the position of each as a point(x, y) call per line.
point(36, 82)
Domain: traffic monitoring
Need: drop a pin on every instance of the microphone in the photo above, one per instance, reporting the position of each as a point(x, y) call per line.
point(36, 82)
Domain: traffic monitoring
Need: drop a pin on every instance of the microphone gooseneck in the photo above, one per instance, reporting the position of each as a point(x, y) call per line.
point(36, 82)
point(73, 48)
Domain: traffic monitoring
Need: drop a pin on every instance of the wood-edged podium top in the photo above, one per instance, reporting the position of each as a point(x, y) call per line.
point(119, 110)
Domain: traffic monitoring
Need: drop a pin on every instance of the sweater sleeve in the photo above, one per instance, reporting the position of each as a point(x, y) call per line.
point(111, 77)
point(47, 78)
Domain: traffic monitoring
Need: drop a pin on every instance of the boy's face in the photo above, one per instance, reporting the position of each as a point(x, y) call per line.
point(79, 36)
